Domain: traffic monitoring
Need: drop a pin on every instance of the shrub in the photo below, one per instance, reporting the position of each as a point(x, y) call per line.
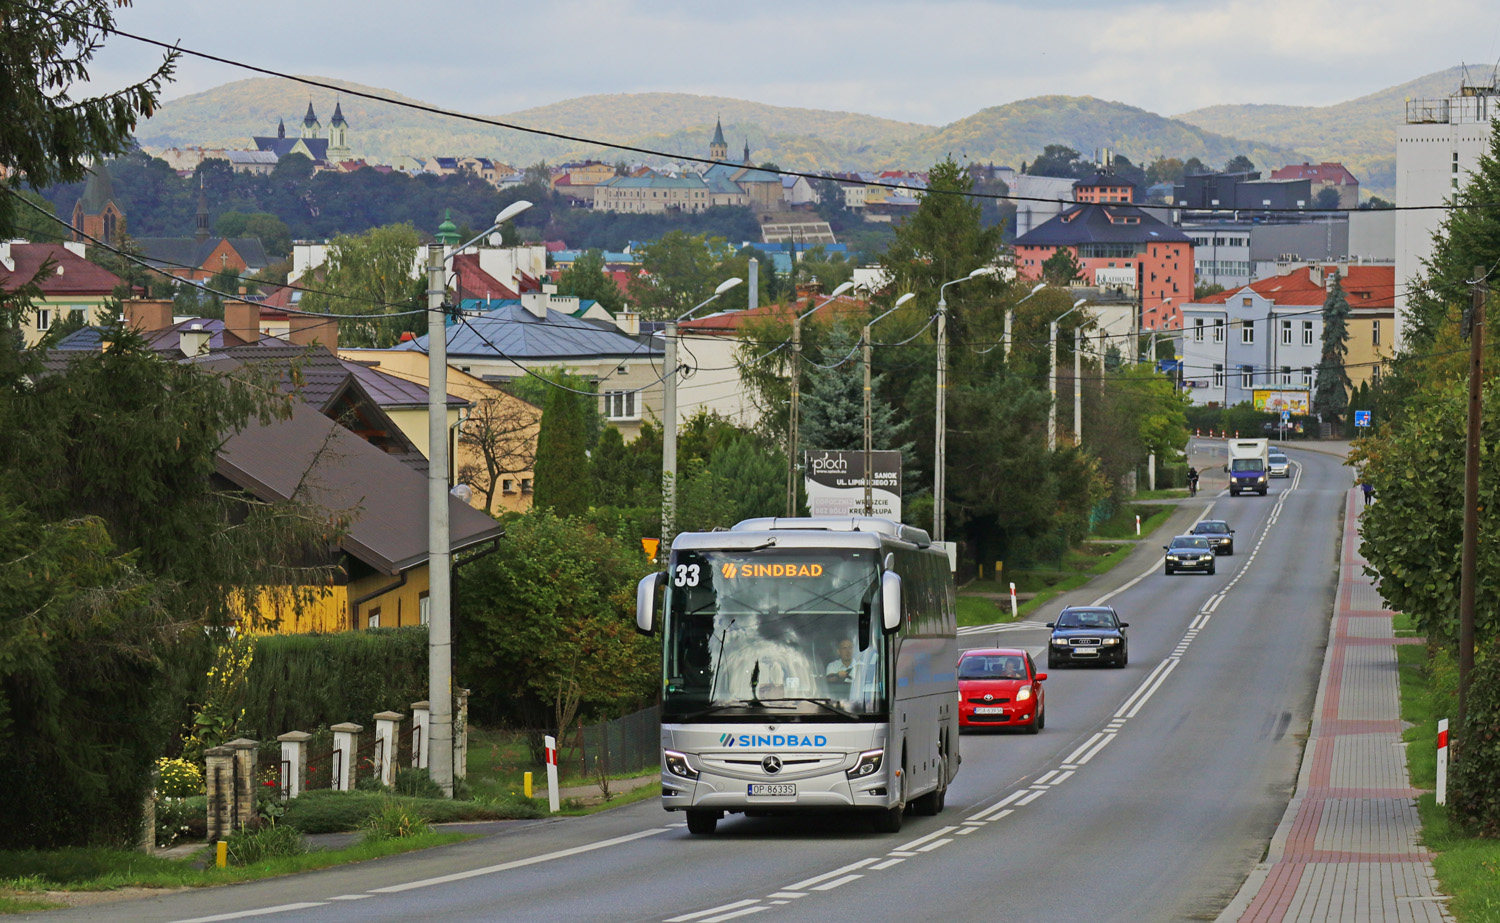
point(273, 841)
point(178, 778)
point(338, 812)
point(1474, 802)
point(416, 783)
point(395, 821)
point(180, 819)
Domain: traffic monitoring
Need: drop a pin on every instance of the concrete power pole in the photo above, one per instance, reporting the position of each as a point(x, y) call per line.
point(439, 622)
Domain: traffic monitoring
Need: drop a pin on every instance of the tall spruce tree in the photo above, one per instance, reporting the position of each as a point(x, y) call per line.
point(1331, 397)
point(563, 482)
point(832, 411)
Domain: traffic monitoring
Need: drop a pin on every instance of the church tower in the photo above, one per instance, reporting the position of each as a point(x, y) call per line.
point(338, 136)
point(96, 214)
point(200, 221)
point(718, 148)
point(311, 127)
point(747, 153)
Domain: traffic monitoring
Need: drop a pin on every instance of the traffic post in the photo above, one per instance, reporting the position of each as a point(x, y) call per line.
point(1012, 602)
point(1137, 525)
point(553, 802)
point(1442, 761)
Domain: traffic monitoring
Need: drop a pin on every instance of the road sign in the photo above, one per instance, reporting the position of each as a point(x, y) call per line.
point(1286, 417)
point(1361, 418)
point(649, 545)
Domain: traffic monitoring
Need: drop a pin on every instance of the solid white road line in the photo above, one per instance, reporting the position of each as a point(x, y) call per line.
point(519, 863)
point(711, 911)
point(807, 884)
point(242, 914)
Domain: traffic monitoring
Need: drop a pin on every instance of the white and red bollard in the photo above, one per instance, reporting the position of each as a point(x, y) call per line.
point(1442, 761)
point(553, 800)
point(1012, 602)
point(1137, 525)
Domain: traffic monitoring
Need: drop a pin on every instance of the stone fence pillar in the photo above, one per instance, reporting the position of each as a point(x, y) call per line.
point(461, 734)
point(387, 726)
point(293, 763)
point(219, 779)
point(246, 760)
point(345, 748)
point(419, 734)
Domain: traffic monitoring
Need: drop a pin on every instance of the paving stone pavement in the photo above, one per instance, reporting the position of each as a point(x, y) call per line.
point(1347, 849)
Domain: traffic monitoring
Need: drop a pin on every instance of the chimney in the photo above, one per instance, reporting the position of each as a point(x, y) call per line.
point(1315, 273)
point(148, 315)
point(753, 294)
point(241, 323)
point(536, 303)
point(306, 330)
point(193, 341)
point(629, 323)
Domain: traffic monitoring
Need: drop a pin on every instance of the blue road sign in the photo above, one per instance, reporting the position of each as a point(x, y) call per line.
point(1361, 418)
point(1286, 417)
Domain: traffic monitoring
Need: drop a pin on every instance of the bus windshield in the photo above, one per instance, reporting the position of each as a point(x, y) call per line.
point(786, 633)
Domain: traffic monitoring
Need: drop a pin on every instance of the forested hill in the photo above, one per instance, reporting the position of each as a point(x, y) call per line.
point(1019, 131)
point(1360, 133)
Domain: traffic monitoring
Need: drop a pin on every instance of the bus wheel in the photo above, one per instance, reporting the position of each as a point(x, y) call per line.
point(890, 821)
point(703, 822)
point(931, 804)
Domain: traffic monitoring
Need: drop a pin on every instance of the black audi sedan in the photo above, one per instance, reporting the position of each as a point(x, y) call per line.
point(1189, 552)
point(1088, 634)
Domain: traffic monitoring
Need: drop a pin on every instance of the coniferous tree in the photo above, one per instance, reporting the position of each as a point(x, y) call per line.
point(563, 482)
point(832, 411)
point(1331, 394)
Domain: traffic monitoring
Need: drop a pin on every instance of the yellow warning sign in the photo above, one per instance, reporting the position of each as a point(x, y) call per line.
point(650, 544)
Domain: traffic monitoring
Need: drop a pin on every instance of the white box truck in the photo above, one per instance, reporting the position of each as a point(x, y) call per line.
point(1249, 466)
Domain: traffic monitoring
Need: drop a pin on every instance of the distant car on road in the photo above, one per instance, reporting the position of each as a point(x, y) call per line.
point(1189, 552)
point(1089, 634)
point(1000, 687)
point(1220, 536)
point(1277, 464)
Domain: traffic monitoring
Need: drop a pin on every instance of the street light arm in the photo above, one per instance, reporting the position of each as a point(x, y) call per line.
point(723, 287)
point(899, 302)
point(507, 213)
point(832, 296)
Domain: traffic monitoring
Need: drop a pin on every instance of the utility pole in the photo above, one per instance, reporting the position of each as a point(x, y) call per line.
point(940, 438)
point(1078, 385)
point(440, 556)
point(791, 428)
point(1475, 323)
point(869, 507)
point(669, 437)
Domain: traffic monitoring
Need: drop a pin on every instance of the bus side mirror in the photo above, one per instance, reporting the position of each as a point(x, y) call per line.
point(646, 593)
point(890, 601)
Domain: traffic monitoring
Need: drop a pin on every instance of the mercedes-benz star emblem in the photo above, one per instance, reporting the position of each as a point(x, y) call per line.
point(771, 764)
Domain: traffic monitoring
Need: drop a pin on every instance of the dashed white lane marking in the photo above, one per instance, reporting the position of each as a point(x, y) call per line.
point(943, 831)
point(807, 884)
point(736, 914)
point(243, 914)
point(890, 862)
point(1131, 699)
point(1031, 797)
point(519, 863)
point(1094, 751)
point(837, 883)
point(982, 815)
point(1172, 663)
point(351, 897)
point(788, 894)
point(1073, 757)
point(703, 914)
point(935, 844)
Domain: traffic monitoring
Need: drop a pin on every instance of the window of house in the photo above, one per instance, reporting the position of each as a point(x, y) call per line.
point(1246, 302)
point(1218, 331)
point(1247, 331)
point(1374, 375)
point(1197, 330)
point(424, 608)
point(373, 620)
point(525, 485)
point(1375, 333)
point(507, 486)
point(43, 319)
point(621, 405)
point(1307, 333)
point(1286, 374)
point(1218, 375)
point(1307, 376)
point(1247, 376)
point(1286, 332)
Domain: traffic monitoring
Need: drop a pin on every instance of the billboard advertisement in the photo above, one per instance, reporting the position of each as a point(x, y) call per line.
point(835, 482)
point(1270, 401)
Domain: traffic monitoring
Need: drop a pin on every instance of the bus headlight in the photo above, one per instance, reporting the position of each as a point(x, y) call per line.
point(677, 764)
point(868, 765)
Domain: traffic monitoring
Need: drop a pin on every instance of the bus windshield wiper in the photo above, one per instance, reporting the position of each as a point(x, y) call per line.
point(825, 703)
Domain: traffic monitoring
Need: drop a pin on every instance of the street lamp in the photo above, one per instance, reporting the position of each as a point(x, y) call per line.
point(940, 437)
point(1052, 378)
point(869, 453)
point(439, 546)
point(669, 415)
point(791, 450)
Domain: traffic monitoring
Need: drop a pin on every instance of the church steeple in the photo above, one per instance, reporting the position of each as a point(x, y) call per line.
point(281, 128)
point(200, 232)
point(338, 136)
point(311, 127)
point(718, 148)
point(747, 152)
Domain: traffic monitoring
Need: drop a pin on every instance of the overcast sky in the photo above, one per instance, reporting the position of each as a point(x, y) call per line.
point(931, 62)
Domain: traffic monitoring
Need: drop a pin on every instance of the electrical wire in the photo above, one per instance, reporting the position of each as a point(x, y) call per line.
point(178, 48)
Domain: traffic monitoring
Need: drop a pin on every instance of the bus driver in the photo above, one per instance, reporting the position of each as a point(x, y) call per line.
point(842, 669)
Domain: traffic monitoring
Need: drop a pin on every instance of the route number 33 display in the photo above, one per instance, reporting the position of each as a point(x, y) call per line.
point(687, 575)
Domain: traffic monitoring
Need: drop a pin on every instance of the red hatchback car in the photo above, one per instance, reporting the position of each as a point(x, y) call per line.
point(1000, 687)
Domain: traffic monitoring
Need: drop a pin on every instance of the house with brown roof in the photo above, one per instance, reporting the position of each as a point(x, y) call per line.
point(70, 285)
point(1334, 176)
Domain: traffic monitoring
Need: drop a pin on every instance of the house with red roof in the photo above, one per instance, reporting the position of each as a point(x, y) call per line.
point(1324, 176)
point(70, 285)
point(1267, 336)
point(1118, 244)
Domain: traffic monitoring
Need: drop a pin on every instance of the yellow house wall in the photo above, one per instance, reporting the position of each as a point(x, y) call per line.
point(1361, 350)
point(398, 607)
point(277, 611)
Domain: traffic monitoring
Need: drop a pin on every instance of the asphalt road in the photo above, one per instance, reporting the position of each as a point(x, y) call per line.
point(1150, 795)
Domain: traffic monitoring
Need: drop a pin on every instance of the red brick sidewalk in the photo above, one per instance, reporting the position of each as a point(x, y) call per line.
point(1347, 849)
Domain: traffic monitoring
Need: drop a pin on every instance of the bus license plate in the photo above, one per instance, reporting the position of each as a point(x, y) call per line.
point(988, 710)
point(772, 788)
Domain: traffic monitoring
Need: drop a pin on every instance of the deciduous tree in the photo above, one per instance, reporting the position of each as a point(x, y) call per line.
point(366, 277)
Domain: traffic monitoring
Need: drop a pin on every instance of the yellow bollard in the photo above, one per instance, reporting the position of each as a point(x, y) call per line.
point(528, 785)
point(221, 858)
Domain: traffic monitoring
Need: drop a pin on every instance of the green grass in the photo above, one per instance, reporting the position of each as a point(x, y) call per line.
point(1122, 524)
point(339, 812)
point(108, 869)
point(1466, 866)
point(17, 904)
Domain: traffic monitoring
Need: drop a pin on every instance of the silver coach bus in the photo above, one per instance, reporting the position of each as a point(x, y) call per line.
point(807, 665)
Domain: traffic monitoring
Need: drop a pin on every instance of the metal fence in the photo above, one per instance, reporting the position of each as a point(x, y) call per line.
point(628, 744)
